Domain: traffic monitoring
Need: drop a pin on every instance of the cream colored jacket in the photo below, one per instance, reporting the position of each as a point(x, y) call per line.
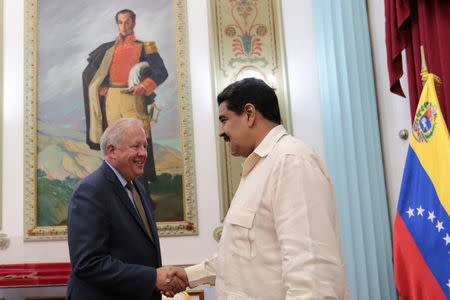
point(281, 235)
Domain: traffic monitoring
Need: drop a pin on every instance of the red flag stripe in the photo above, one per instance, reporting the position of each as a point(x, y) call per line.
point(413, 278)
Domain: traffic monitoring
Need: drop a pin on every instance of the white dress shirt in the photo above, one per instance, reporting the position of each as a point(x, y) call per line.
point(280, 237)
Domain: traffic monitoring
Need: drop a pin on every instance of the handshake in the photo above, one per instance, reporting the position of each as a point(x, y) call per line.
point(171, 280)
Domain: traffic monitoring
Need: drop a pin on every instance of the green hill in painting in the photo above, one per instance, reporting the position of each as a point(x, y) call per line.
point(167, 195)
point(54, 196)
point(62, 162)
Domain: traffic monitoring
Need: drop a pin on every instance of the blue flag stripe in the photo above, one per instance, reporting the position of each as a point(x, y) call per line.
point(418, 193)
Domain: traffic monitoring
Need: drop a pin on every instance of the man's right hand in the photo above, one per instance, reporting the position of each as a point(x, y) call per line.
point(171, 280)
point(103, 90)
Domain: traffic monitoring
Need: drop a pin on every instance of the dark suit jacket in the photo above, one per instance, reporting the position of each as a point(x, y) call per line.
point(111, 254)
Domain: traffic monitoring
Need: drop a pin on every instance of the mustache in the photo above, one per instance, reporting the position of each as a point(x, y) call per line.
point(226, 138)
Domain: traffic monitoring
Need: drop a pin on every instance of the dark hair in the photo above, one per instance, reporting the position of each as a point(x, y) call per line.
point(253, 91)
point(126, 11)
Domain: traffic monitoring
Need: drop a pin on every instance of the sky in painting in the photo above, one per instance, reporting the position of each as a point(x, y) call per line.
point(69, 30)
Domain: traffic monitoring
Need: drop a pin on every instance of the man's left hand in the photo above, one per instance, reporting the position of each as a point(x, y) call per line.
point(137, 90)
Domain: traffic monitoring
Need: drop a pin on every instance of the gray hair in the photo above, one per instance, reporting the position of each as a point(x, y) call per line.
point(113, 133)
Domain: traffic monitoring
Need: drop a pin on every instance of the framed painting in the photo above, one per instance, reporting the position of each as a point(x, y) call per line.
point(64, 119)
point(247, 41)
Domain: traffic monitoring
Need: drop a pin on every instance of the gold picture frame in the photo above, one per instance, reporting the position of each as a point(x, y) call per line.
point(196, 293)
point(246, 41)
point(187, 224)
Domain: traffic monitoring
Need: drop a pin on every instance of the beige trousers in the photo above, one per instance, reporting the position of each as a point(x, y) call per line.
point(123, 105)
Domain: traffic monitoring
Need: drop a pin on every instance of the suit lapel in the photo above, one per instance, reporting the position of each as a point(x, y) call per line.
point(123, 196)
point(149, 213)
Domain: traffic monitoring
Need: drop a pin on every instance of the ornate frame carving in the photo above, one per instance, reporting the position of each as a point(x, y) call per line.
point(34, 232)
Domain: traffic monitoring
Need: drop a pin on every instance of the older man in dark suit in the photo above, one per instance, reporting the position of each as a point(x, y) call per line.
point(113, 240)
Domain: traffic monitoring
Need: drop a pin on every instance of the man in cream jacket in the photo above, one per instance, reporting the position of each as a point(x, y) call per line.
point(280, 238)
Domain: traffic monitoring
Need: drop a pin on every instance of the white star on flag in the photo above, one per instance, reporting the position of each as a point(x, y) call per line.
point(431, 216)
point(446, 239)
point(420, 211)
point(448, 284)
point(439, 226)
point(410, 212)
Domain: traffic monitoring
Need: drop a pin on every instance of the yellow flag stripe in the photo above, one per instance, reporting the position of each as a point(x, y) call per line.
point(432, 146)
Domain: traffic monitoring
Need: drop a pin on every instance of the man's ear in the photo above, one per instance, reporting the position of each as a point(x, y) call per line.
point(250, 113)
point(110, 151)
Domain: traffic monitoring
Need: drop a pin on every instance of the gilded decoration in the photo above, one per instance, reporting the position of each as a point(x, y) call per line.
point(247, 42)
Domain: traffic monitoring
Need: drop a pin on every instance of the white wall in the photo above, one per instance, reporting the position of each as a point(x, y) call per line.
point(303, 73)
point(393, 110)
point(306, 119)
point(199, 247)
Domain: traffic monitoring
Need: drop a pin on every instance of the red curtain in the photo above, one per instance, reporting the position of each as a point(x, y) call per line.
point(409, 24)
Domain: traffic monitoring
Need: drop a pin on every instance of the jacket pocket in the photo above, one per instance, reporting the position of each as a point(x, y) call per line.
point(242, 231)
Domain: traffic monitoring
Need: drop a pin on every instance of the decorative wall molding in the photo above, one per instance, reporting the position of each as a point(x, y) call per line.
point(353, 148)
point(246, 41)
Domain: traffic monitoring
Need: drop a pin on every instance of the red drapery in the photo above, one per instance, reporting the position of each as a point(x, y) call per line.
point(409, 24)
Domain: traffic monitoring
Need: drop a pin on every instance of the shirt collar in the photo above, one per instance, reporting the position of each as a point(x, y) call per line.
point(128, 39)
point(270, 140)
point(263, 149)
point(119, 176)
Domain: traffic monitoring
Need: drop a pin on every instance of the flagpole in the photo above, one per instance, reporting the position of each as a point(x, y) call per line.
point(424, 69)
point(424, 61)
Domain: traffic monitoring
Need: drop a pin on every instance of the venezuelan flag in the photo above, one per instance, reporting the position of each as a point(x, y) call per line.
point(422, 224)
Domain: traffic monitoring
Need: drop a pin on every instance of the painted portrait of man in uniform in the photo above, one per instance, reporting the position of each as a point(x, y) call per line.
point(99, 61)
point(120, 81)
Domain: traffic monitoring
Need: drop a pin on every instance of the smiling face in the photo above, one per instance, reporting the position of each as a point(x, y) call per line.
point(125, 23)
point(129, 156)
point(235, 130)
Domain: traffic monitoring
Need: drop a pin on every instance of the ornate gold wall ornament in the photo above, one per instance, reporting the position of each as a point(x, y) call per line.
point(4, 241)
point(247, 41)
point(217, 233)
